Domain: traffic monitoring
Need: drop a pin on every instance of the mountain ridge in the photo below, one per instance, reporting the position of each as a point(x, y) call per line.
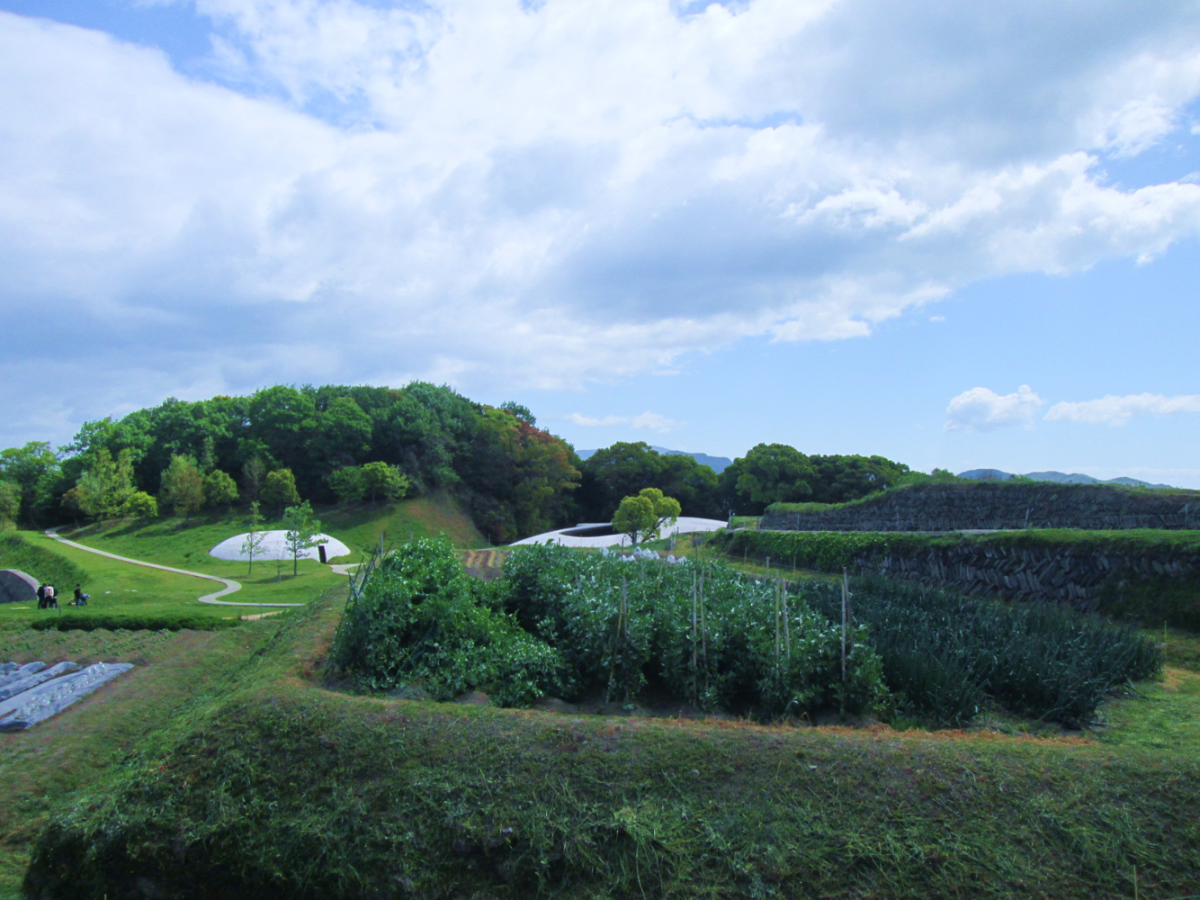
point(1055, 477)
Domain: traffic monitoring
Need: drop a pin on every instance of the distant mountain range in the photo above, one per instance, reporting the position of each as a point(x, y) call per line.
point(1057, 477)
point(718, 463)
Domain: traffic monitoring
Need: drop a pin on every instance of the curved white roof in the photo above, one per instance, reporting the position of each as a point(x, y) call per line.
point(684, 525)
point(274, 546)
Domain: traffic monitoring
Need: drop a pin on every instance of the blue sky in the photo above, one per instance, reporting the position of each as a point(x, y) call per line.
point(958, 235)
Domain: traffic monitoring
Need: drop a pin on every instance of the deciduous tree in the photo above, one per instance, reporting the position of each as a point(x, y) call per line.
point(279, 489)
point(302, 531)
point(636, 517)
point(381, 480)
point(106, 485)
point(220, 489)
point(252, 544)
point(10, 502)
point(182, 486)
point(347, 484)
point(769, 473)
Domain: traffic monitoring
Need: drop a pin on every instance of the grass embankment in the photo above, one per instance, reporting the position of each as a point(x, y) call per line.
point(42, 767)
point(283, 789)
point(36, 558)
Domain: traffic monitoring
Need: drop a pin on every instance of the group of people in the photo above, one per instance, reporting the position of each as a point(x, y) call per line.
point(47, 597)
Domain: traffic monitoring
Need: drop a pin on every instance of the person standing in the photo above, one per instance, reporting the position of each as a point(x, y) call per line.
point(51, 599)
point(41, 595)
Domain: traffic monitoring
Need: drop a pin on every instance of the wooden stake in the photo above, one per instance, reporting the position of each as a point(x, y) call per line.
point(787, 628)
point(845, 604)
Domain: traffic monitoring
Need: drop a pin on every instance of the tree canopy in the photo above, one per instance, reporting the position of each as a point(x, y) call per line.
point(643, 516)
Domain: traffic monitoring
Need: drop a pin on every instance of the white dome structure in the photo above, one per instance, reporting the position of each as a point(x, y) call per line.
point(601, 534)
point(274, 546)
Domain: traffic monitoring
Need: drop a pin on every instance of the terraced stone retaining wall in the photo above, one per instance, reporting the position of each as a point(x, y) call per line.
point(1070, 568)
point(1000, 505)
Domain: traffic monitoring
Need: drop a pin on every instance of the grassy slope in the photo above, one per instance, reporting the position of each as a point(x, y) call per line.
point(284, 789)
point(40, 767)
point(118, 587)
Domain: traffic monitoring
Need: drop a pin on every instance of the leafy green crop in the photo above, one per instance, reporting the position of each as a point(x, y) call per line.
point(714, 637)
point(421, 620)
point(946, 653)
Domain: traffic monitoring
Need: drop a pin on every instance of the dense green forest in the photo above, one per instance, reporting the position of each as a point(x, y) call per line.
point(333, 443)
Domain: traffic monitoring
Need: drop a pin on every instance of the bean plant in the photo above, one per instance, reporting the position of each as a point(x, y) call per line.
point(713, 637)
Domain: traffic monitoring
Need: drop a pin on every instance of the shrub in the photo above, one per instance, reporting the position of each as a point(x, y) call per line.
point(421, 620)
point(81, 621)
point(140, 505)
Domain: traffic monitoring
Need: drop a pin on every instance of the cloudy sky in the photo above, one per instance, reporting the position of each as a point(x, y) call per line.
point(956, 234)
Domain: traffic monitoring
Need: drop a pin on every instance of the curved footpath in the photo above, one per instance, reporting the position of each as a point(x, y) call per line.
point(230, 586)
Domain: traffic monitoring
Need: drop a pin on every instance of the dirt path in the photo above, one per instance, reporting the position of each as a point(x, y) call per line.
point(230, 586)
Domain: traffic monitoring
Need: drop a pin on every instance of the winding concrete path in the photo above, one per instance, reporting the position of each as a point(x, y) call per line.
point(230, 586)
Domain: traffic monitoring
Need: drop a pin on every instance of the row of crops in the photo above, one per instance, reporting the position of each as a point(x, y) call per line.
point(570, 624)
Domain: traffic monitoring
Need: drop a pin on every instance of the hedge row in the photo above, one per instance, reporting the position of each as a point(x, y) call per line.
point(79, 621)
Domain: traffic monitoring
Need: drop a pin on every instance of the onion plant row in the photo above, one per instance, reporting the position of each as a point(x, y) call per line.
point(945, 655)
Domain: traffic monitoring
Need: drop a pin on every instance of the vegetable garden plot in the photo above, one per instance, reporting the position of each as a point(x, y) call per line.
point(569, 624)
point(566, 623)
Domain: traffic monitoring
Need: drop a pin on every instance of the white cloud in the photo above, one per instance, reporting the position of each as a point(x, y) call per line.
point(981, 409)
point(1113, 410)
point(650, 421)
point(505, 195)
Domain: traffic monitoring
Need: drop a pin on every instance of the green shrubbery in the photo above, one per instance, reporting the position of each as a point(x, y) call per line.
point(421, 620)
point(576, 623)
point(81, 621)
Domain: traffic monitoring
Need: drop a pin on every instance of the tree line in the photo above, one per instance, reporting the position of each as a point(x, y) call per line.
point(345, 444)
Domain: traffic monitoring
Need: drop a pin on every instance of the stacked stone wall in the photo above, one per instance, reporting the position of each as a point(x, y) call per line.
point(1000, 506)
point(1063, 575)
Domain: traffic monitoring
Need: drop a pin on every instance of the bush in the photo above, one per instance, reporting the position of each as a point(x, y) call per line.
point(420, 620)
point(140, 505)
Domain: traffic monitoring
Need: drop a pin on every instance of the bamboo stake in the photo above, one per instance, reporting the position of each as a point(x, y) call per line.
point(787, 628)
point(845, 604)
point(703, 633)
